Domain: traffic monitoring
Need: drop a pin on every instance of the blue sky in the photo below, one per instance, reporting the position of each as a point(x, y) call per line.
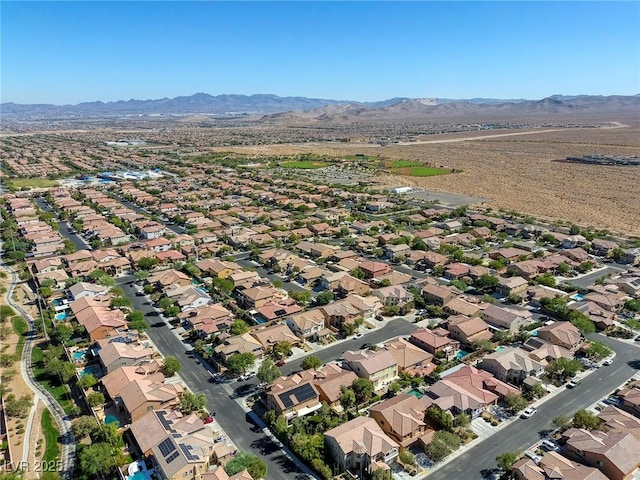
point(69, 52)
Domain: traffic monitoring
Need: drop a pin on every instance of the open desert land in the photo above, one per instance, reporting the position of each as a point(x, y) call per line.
point(518, 172)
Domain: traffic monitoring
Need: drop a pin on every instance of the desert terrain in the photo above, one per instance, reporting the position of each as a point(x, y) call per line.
point(518, 172)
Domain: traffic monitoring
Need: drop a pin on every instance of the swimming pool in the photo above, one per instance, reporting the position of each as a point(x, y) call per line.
point(57, 302)
point(91, 369)
point(415, 393)
point(79, 355)
point(461, 353)
point(500, 347)
point(113, 419)
point(60, 316)
point(578, 297)
point(138, 476)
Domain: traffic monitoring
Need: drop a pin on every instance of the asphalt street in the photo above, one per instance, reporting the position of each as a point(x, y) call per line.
point(590, 279)
point(77, 240)
point(177, 229)
point(229, 414)
point(521, 434)
point(289, 286)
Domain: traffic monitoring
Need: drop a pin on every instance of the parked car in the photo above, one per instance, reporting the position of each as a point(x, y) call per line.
point(358, 335)
point(249, 375)
point(549, 445)
point(529, 412)
point(280, 363)
point(607, 362)
point(365, 346)
point(612, 401)
point(208, 419)
point(532, 455)
point(637, 339)
point(573, 383)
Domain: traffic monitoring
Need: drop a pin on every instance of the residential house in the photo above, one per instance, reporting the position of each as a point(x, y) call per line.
point(359, 444)
point(394, 295)
point(244, 343)
point(402, 418)
point(602, 247)
point(328, 380)
point(563, 334)
point(179, 446)
point(84, 289)
point(435, 341)
point(467, 390)
point(603, 319)
point(113, 355)
point(294, 395)
point(381, 366)
point(169, 278)
point(142, 395)
point(468, 330)
point(375, 269)
point(348, 285)
point(615, 453)
point(270, 336)
point(512, 365)
point(504, 318)
point(438, 295)
point(511, 285)
point(98, 320)
point(114, 382)
point(630, 400)
point(256, 297)
point(545, 352)
point(553, 466)
point(189, 297)
point(458, 306)
point(306, 325)
point(618, 420)
point(410, 358)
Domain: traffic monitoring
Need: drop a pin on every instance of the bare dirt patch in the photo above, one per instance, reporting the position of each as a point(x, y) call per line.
point(519, 173)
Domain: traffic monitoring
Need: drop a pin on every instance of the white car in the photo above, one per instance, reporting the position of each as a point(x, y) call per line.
point(358, 335)
point(529, 412)
point(607, 362)
point(549, 445)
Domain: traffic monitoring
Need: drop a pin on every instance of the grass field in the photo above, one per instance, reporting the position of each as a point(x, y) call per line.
point(18, 183)
point(415, 169)
point(304, 164)
point(21, 328)
point(59, 392)
point(51, 434)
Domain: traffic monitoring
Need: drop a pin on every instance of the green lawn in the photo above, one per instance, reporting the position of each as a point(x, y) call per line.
point(304, 164)
point(59, 392)
point(412, 168)
point(51, 434)
point(21, 328)
point(36, 182)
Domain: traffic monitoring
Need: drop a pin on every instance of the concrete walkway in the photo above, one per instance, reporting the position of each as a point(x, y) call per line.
point(68, 456)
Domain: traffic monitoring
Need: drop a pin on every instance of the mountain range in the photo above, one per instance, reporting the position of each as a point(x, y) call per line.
point(274, 109)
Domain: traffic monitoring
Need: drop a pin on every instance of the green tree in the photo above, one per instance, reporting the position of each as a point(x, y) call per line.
point(282, 349)
point(440, 418)
point(406, 457)
point(238, 327)
point(587, 420)
point(347, 398)
point(118, 302)
point(302, 297)
point(94, 399)
point(443, 444)
point(64, 371)
point(100, 459)
point(582, 322)
point(141, 275)
point(268, 371)
point(561, 369)
point(256, 467)
point(311, 362)
point(462, 420)
point(171, 366)
point(240, 362)
point(192, 402)
point(514, 403)
point(506, 460)
point(324, 298)
point(146, 263)
point(45, 292)
point(487, 283)
point(596, 351)
point(87, 381)
point(137, 321)
point(17, 407)
point(85, 426)
point(62, 333)
point(363, 388)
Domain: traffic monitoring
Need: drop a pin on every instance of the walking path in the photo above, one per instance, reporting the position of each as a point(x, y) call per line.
point(41, 394)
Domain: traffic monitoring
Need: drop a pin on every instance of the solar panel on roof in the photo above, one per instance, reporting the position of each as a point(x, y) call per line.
point(186, 449)
point(302, 394)
point(166, 446)
point(172, 457)
point(165, 423)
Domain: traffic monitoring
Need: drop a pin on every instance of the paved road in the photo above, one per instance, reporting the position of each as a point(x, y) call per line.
point(289, 286)
point(229, 414)
point(591, 278)
point(523, 433)
point(177, 229)
point(76, 239)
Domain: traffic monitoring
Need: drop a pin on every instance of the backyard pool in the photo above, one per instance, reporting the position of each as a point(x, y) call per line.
point(500, 347)
point(578, 297)
point(462, 353)
point(80, 355)
point(57, 302)
point(415, 393)
point(113, 419)
point(91, 369)
point(60, 316)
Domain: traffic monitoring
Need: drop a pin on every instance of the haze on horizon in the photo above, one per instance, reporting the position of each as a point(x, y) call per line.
point(72, 52)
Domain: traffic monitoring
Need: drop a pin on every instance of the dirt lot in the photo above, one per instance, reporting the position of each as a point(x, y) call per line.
point(519, 173)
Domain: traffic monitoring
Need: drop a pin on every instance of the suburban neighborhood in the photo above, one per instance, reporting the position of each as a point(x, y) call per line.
point(188, 322)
